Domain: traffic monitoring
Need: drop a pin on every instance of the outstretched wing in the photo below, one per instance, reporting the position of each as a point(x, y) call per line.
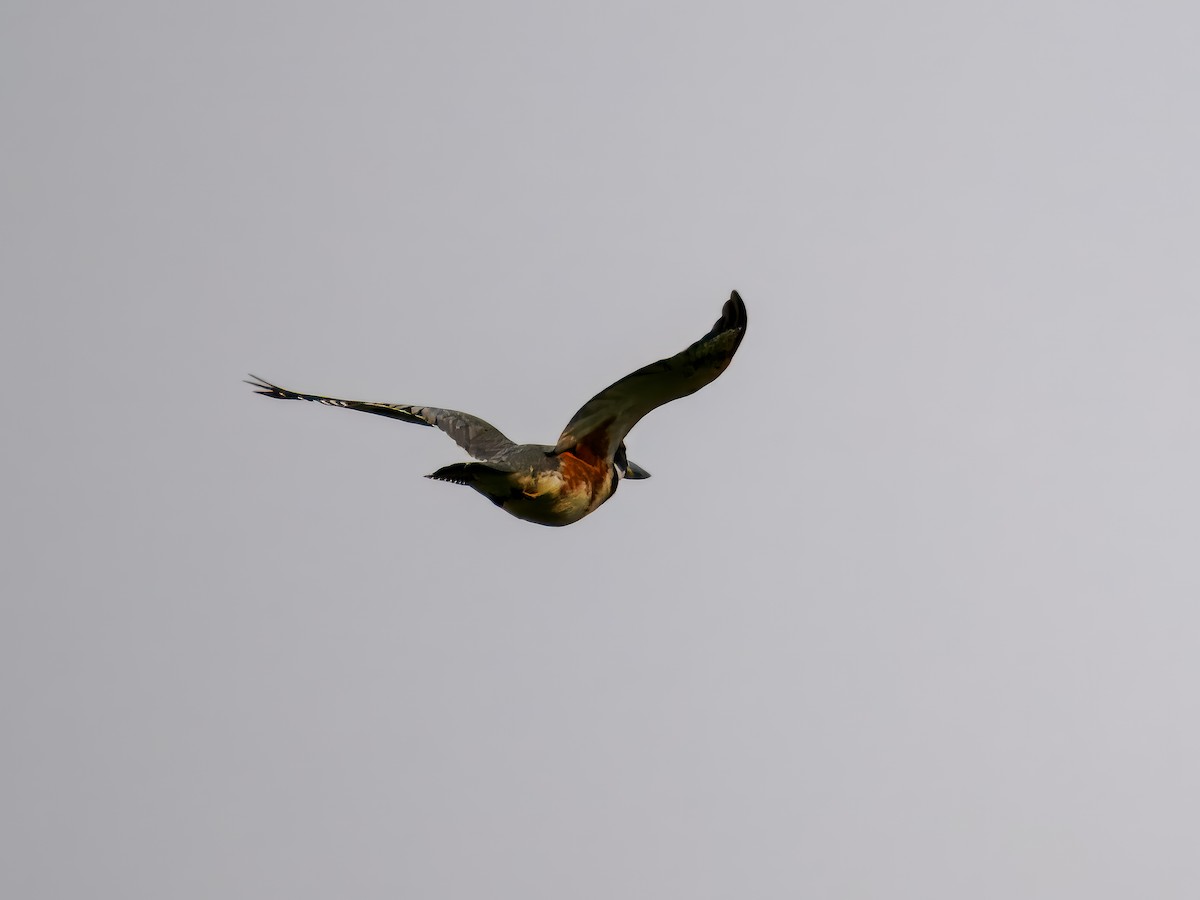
point(602, 423)
point(477, 437)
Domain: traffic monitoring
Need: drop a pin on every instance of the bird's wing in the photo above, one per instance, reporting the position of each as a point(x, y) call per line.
point(600, 426)
point(477, 437)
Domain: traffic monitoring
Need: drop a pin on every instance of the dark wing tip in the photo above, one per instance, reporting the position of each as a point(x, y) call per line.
point(733, 316)
point(270, 390)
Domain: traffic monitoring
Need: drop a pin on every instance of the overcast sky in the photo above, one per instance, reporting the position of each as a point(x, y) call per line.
point(910, 606)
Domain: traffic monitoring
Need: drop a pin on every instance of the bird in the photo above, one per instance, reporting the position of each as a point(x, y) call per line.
point(559, 484)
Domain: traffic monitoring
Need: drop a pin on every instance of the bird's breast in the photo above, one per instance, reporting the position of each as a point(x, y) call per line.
point(564, 494)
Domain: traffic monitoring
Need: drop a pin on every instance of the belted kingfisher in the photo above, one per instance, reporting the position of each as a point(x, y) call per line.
point(560, 484)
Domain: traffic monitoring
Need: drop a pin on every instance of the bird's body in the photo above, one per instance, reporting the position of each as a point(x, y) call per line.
point(560, 484)
point(545, 488)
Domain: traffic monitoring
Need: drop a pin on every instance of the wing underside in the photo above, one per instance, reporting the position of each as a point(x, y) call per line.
point(481, 440)
point(603, 422)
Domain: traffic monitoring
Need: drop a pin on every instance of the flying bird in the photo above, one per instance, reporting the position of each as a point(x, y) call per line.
point(560, 484)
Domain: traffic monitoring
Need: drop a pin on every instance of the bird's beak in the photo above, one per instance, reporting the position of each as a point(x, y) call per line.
point(634, 471)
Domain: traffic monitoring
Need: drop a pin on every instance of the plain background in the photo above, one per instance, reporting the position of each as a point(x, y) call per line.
point(909, 607)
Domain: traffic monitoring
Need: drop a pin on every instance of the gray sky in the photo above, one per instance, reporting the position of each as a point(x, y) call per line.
point(909, 608)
